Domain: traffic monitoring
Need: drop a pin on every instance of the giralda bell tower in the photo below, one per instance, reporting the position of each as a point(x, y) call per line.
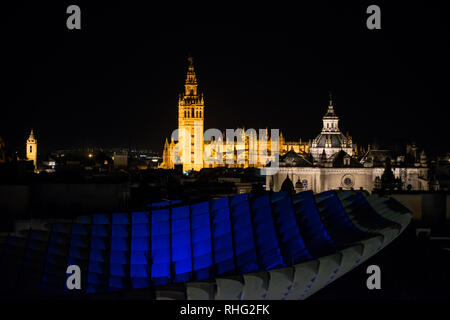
point(191, 118)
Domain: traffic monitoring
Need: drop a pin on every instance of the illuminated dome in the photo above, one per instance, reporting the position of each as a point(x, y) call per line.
point(326, 140)
point(330, 140)
point(272, 246)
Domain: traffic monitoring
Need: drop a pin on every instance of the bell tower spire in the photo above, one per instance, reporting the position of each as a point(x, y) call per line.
point(191, 118)
point(31, 150)
point(190, 86)
point(330, 120)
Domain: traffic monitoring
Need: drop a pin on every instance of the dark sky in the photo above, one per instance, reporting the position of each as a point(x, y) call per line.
point(117, 79)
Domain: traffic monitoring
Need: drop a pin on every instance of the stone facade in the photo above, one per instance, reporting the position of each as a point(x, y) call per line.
point(320, 179)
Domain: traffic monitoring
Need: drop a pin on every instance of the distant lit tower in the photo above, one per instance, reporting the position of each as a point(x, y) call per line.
point(167, 162)
point(3, 157)
point(191, 118)
point(32, 149)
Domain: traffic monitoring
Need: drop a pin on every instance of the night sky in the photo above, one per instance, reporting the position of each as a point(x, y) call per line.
point(116, 81)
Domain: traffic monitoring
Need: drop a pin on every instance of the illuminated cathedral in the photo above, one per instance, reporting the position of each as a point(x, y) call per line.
point(191, 117)
point(334, 163)
point(330, 161)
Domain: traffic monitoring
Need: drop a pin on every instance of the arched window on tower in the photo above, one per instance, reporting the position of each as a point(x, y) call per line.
point(192, 112)
point(31, 149)
point(200, 113)
point(185, 113)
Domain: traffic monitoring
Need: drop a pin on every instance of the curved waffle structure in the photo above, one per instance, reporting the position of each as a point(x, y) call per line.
point(274, 246)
